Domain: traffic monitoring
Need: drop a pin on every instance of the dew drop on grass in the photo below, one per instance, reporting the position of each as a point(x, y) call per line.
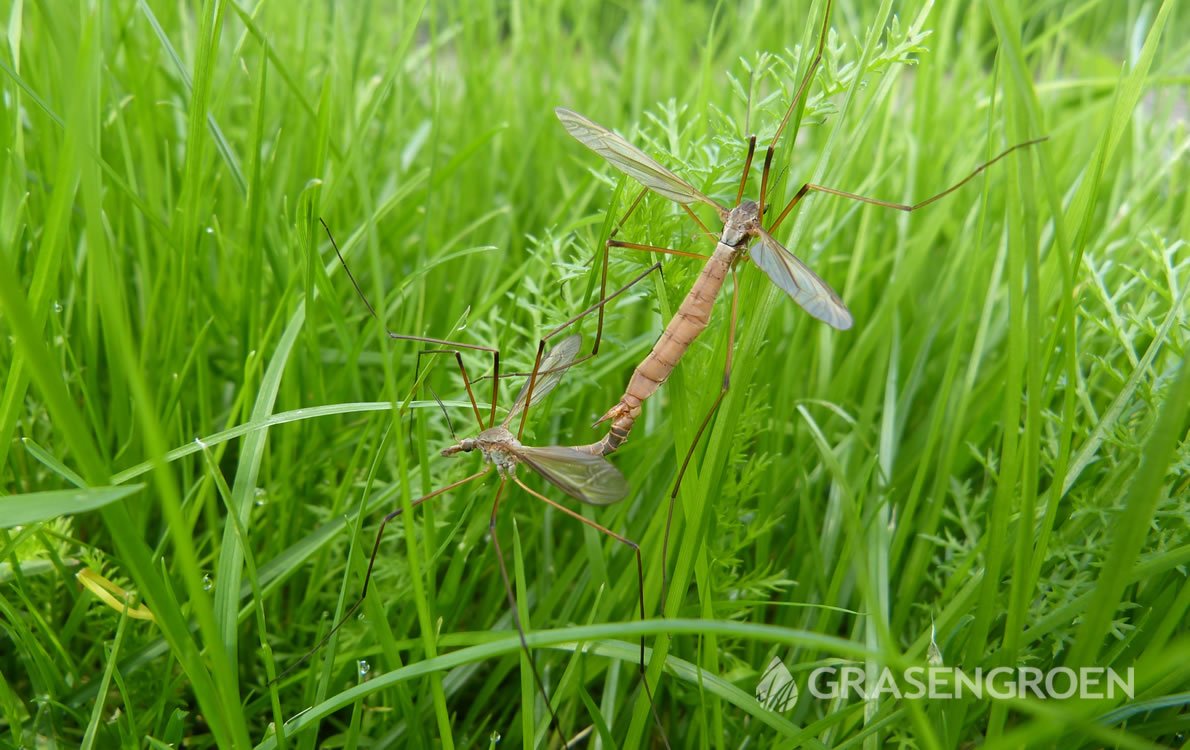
point(364, 667)
point(262, 497)
point(208, 583)
point(495, 737)
point(57, 306)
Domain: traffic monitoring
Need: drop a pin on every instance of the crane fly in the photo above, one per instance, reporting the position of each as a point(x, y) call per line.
point(744, 237)
point(586, 477)
point(581, 475)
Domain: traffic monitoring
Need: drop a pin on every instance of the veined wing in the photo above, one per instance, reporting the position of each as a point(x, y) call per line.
point(553, 367)
point(584, 476)
point(631, 160)
point(799, 282)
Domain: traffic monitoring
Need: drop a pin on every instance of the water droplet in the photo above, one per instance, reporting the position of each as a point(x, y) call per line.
point(495, 737)
point(361, 617)
point(364, 667)
point(208, 583)
point(210, 230)
point(57, 306)
point(262, 496)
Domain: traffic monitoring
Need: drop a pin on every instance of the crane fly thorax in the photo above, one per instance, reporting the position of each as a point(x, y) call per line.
point(741, 223)
point(498, 446)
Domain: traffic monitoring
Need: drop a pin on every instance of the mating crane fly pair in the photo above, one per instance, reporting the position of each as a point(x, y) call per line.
point(582, 471)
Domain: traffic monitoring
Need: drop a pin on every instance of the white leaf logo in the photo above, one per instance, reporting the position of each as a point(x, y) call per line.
point(776, 690)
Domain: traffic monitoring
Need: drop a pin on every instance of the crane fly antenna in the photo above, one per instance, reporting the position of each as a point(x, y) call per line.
point(358, 289)
point(449, 425)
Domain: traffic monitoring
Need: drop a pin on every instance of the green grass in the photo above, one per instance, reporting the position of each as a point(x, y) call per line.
point(993, 461)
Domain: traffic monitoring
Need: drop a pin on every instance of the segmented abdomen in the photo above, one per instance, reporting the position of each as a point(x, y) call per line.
point(689, 321)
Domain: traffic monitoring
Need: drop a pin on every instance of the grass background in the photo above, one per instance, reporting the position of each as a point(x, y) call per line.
point(994, 458)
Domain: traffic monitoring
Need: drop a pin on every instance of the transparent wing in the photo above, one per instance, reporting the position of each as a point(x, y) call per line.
point(553, 367)
point(583, 476)
point(631, 160)
point(799, 282)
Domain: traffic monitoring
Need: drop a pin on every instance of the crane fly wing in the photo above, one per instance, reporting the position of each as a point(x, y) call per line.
point(584, 476)
point(799, 282)
point(549, 373)
point(631, 160)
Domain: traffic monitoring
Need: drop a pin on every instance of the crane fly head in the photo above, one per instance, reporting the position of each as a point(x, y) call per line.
point(466, 445)
point(742, 222)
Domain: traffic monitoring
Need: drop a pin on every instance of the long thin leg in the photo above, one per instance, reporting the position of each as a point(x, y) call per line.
point(536, 372)
point(706, 232)
point(640, 196)
point(797, 98)
point(611, 243)
point(516, 617)
point(462, 371)
point(654, 249)
point(603, 272)
point(438, 342)
point(372, 562)
point(640, 581)
point(809, 186)
point(452, 345)
point(445, 412)
point(673, 496)
point(533, 376)
point(631, 209)
point(739, 196)
point(542, 341)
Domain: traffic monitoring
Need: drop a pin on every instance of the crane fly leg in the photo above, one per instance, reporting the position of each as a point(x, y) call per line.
point(516, 616)
point(425, 339)
point(739, 196)
point(600, 305)
point(793, 103)
point(372, 563)
point(640, 580)
point(612, 242)
point(462, 371)
point(907, 208)
point(453, 347)
point(654, 249)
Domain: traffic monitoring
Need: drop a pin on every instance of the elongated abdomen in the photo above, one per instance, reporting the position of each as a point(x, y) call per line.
point(689, 321)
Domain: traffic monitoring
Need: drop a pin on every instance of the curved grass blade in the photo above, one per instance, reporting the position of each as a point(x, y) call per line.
point(35, 507)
